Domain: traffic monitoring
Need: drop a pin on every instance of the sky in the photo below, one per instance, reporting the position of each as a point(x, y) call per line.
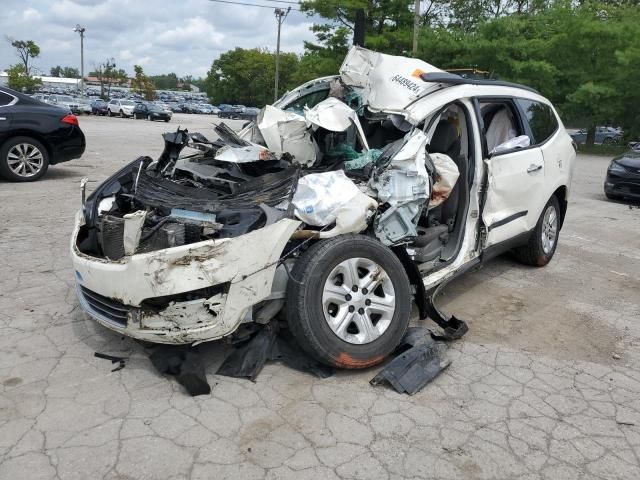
point(180, 36)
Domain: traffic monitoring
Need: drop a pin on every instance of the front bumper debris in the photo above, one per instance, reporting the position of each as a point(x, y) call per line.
point(123, 294)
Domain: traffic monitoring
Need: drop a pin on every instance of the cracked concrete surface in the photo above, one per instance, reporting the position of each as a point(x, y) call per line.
point(534, 390)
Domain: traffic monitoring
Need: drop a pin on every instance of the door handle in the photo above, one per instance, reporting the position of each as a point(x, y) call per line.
point(3, 118)
point(534, 168)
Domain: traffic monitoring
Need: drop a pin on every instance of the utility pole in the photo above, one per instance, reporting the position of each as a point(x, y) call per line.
point(81, 30)
point(280, 17)
point(416, 26)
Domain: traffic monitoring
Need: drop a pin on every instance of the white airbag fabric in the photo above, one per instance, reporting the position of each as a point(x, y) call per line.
point(447, 174)
point(324, 198)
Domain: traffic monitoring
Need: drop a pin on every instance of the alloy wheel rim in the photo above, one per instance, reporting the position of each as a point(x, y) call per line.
point(549, 229)
point(25, 160)
point(358, 300)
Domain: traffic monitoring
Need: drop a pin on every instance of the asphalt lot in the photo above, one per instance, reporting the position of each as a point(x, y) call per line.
point(546, 384)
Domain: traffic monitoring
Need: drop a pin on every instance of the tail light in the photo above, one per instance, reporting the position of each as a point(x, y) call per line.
point(71, 120)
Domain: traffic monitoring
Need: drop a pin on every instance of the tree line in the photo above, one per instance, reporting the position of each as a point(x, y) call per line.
point(583, 55)
point(108, 74)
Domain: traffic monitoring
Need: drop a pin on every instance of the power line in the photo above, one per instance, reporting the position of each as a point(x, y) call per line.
point(254, 4)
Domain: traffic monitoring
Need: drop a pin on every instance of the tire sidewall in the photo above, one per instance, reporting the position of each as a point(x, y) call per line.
point(6, 172)
point(319, 339)
point(542, 257)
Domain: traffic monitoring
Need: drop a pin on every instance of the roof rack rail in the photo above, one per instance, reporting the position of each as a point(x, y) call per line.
point(453, 79)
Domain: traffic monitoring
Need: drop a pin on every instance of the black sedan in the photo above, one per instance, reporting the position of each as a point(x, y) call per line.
point(34, 135)
point(623, 175)
point(99, 107)
point(151, 112)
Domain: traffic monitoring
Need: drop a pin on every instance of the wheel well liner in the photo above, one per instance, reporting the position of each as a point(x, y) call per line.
point(561, 194)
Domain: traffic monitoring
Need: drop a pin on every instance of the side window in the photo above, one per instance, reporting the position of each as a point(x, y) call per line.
point(5, 99)
point(310, 100)
point(502, 129)
point(541, 119)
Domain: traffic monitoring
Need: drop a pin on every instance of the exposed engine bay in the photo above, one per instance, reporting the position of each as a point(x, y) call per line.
point(338, 179)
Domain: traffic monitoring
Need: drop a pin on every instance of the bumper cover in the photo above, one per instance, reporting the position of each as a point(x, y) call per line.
point(113, 292)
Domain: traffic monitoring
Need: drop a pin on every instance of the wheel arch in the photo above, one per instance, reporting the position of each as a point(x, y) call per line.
point(31, 134)
point(561, 194)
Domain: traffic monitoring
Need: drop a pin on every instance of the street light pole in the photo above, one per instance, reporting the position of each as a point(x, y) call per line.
point(280, 16)
point(81, 30)
point(416, 26)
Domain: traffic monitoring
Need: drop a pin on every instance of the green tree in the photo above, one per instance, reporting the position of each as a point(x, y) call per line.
point(108, 74)
point(246, 77)
point(167, 81)
point(66, 72)
point(18, 80)
point(26, 51)
point(143, 84)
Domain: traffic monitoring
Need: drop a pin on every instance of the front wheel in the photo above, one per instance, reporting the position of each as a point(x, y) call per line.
point(348, 301)
point(109, 113)
point(544, 239)
point(23, 159)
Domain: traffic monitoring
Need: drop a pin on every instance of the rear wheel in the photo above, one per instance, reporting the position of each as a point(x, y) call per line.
point(348, 301)
point(109, 113)
point(23, 159)
point(544, 239)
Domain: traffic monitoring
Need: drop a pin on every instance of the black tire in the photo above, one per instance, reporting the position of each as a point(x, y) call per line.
point(533, 253)
point(611, 196)
point(7, 173)
point(166, 120)
point(608, 141)
point(109, 113)
point(305, 314)
point(121, 114)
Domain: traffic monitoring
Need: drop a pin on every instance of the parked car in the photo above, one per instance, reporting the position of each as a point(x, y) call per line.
point(229, 111)
point(99, 107)
point(623, 175)
point(451, 172)
point(151, 111)
point(175, 108)
point(84, 105)
point(34, 135)
point(66, 101)
point(249, 113)
point(604, 136)
point(124, 108)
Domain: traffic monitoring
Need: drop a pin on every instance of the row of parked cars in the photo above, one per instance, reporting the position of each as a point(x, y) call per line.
point(124, 107)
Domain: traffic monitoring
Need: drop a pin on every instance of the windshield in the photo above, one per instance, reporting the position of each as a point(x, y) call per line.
point(154, 108)
point(64, 98)
point(128, 103)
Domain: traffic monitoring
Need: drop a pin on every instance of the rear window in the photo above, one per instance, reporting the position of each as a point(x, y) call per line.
point(541, 119)
point(5, 99)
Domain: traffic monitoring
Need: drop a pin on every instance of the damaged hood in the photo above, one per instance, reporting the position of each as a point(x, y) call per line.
point(387, 83)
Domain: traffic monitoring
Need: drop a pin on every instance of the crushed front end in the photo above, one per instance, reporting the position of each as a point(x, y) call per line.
point(183, 258)
point(187, 247)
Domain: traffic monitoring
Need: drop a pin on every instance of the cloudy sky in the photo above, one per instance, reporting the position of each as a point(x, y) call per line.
point(181, 36)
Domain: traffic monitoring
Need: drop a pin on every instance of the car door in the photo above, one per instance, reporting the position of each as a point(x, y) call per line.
point(514, 177)
point(6, 102)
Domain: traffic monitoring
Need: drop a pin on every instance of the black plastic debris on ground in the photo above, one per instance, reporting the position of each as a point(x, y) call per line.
point(121, 361)
point(185, 363)
point(270, 343)
point(420, 360)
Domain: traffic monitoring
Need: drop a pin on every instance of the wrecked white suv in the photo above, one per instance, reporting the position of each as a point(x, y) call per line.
point(345, 201)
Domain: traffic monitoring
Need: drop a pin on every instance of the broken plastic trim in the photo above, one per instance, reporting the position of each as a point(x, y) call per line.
point(422, 360)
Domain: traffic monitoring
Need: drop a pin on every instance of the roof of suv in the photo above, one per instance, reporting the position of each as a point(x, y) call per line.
point(453, 79)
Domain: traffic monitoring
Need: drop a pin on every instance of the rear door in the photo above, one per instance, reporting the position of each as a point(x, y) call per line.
point(6, 102)
point(515, 177)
